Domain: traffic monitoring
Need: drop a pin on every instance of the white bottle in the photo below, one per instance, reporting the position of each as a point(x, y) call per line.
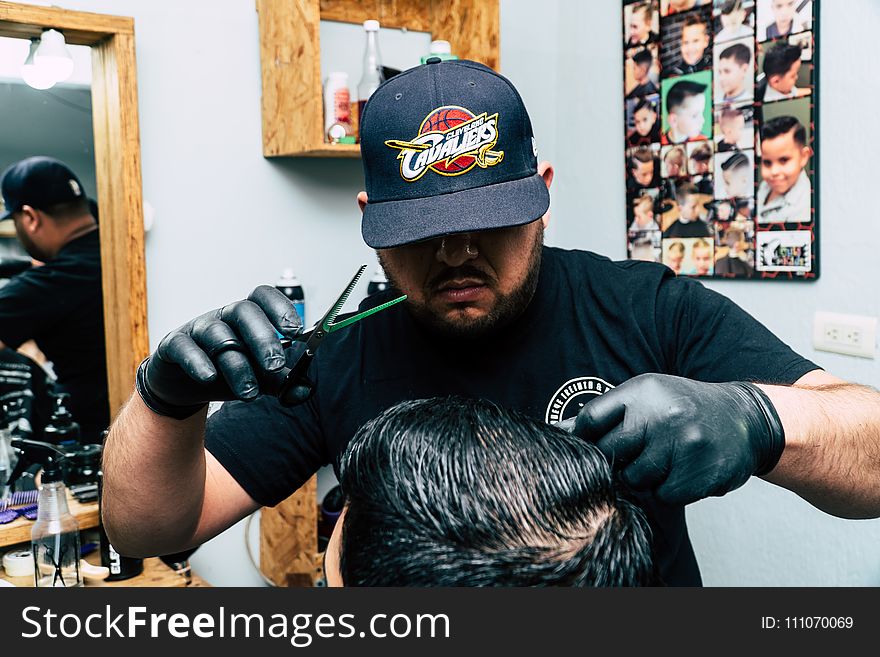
point(372, 76)
point(337, 107)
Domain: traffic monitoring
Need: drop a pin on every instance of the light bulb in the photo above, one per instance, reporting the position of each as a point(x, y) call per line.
point(37, 77)
point(53, 55)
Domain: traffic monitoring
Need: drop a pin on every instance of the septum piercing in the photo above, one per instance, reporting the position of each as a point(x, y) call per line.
point(469, 248)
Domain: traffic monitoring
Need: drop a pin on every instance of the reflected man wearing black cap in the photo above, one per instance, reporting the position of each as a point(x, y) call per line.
point(59, 305)
point(656, 370)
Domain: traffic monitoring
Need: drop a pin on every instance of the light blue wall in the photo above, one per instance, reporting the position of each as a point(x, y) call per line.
point(227, 219)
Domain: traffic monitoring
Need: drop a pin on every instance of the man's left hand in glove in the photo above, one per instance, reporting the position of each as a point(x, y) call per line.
point(683, 440)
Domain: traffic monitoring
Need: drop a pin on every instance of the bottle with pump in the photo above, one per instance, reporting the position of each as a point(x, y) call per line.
point(372, 76)
point(61, 429)
point(290, 287)
point(55, 539)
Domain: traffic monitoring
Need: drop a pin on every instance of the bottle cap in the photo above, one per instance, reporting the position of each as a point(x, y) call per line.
point(287, 279)
point(371, 26)
point(336, 132)
point(441, 48)
point(338, 76)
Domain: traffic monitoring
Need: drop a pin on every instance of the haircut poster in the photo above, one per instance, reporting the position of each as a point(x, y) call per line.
point(720, 103)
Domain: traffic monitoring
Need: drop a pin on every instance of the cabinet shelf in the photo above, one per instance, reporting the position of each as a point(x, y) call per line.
point(290, 58)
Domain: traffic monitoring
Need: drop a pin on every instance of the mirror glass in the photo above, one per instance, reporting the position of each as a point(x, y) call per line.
point(51, 309)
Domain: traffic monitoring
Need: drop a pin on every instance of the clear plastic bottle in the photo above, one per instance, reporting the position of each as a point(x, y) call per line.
point(55, 535)
point(372, 75)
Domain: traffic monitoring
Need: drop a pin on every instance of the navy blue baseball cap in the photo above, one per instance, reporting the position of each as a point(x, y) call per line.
point(447, 148)
point(40, 182)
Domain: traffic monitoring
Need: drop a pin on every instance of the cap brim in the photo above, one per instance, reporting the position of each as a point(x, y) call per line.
point(396, 223)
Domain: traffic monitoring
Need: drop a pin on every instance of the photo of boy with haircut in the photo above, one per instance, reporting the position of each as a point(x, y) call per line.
point(643, 214)
point(642, 60)
point(734, 78)
point(643, 170)
point(685, 111)
point(736, 260)
point(700, 161)
point(785, 192)
point(641, 24)
point(781, 66)
point(701, 258)
point(673, 255)
point(734, 24)
point(688, 223)
point(695, 53)
point(731, 132)
point(645, 120)
point(783, 17)
point(737, 175)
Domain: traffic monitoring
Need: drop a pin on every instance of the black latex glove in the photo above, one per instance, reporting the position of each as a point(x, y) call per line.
point(229, 353)
point(683, 440)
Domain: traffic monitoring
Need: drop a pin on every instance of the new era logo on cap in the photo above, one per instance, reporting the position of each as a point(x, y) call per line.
point(447, 147)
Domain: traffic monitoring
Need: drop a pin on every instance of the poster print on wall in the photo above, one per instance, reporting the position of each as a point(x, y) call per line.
point(720, 111)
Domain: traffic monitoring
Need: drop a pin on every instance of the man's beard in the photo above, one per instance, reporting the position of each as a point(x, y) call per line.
point(507, 307)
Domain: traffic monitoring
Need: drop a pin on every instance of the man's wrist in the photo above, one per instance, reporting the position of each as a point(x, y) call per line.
point(769, 420)
point(158, 406)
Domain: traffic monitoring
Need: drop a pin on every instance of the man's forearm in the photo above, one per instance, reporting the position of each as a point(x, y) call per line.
point(832, 446)
point(154, 480)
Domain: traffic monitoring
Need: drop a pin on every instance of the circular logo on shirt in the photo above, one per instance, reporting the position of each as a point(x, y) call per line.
point(572, 395)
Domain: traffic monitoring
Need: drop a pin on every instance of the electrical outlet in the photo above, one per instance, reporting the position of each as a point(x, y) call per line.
point(851, 335)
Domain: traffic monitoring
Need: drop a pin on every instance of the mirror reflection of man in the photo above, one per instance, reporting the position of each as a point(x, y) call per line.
point(59, 305)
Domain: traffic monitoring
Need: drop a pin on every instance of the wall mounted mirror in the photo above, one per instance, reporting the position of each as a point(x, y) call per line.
point(108, 162)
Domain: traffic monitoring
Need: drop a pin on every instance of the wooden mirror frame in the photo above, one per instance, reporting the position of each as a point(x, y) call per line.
point(118, 169)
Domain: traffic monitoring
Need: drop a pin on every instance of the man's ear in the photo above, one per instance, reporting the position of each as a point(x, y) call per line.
point(545, 170)
point(362, 200)
point(30, 218)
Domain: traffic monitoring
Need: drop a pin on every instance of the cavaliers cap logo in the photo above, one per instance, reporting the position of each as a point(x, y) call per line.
point(451, 141)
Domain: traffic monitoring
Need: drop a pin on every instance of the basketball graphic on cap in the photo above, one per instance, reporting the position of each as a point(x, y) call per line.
point(444, 119)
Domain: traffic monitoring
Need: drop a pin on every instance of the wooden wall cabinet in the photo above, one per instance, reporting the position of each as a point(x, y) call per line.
point(290, 57)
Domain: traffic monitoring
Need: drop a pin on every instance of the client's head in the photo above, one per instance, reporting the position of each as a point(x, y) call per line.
point(459, 492)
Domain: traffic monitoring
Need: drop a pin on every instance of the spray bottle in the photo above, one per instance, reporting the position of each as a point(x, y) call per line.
point(55, 535)
point(61, 429)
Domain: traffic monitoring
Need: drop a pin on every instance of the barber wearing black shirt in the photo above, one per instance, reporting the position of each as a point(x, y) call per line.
point(59, 304)
point(686, 394)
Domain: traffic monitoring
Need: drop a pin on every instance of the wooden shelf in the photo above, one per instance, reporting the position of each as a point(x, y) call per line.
point(290, 58)
point(334, 150)
point(19, 530)
point(156, 573)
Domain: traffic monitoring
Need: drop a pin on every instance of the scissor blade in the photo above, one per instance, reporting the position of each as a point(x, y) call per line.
point(327, 319)
point(356, 318)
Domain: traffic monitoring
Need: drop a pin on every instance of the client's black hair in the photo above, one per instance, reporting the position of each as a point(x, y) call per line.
point(460, 492)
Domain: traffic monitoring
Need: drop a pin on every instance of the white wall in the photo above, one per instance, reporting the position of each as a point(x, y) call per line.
point(227, 219)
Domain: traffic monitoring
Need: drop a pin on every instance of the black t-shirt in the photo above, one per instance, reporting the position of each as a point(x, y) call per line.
point(24, 391)
point(592, 325)
point(61, 308)
point(695, 228)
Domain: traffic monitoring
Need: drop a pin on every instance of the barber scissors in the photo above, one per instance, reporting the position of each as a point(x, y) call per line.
point(295, 387)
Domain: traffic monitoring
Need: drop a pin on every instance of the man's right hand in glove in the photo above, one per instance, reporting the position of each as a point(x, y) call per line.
point(222, 355)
